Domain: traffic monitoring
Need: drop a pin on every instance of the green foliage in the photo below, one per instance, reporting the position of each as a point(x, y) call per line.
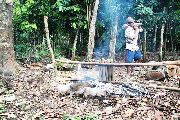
point(156, 12)
point(64, 66)
point(2, 108)
point(21, 14)
point(66, 16)
point(143, 10)
point(77, 58)
point(40, 54)
point(25, 25)
point(64, 5)
point(23, 51)
point(76, 17)
point(34, 53)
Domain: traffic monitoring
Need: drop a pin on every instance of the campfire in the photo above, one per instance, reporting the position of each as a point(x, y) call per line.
point(91, 83)
point(98, 81)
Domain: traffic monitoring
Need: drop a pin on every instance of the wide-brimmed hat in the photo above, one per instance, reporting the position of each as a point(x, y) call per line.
point(130, 20)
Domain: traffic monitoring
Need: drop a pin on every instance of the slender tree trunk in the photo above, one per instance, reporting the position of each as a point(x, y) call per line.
point(81, 40)
point(172, 45)
point(74, 45)
point(144, 44)
point(7, 54)
point(154, 40)
point(88, 13)
point(161, 42)
point(165, 41)
point(43, 40)
point(92, 30)
point(48, 39)
point(112, 44)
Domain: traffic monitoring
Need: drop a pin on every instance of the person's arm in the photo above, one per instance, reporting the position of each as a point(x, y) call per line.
point(136, 32)
point(125, 26)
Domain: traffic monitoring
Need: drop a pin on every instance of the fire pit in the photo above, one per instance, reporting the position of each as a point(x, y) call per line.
point(90, 84)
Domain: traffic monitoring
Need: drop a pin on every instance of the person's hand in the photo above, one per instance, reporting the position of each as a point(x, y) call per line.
point(140, 29)
point(135, 27)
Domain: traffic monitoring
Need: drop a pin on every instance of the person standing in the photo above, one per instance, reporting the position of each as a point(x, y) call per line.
point(133, 54)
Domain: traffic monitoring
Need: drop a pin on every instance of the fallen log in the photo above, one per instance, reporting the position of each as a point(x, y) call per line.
point(164, 87)
point(122, 64)
point(156, 86)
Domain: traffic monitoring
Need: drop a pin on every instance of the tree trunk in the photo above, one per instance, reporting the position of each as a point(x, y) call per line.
point(105, 72)
point(161, 43)
point(154, 40)
point(112, 44)
point(165, 41)
point(48, 39)
point(7, 54)
point(171, 39)
point(74, 45)
point(92, 31)
point(144, 45)
point(88, 13)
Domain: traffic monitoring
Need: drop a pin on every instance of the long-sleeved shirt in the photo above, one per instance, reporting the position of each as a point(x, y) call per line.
point(132, 38)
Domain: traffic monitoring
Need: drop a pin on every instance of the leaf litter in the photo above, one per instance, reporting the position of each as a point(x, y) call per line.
point(34, 96)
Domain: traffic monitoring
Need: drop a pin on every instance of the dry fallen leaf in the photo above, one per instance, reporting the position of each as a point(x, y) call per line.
point(108, 110)
point(128, 112)
point(158, 115)
point(43, 96)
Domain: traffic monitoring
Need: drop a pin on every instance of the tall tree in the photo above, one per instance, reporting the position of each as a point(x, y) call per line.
point(154, 39)
point(7, 56)
point(112, 44)
point(144, 45)
point(92, 30)
point(161, 44)
point(74, 45)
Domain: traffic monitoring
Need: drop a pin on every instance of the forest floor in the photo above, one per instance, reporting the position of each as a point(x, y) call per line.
point(31, 95)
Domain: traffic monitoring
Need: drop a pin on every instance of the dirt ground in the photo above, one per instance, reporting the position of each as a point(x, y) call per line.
point(31, 96)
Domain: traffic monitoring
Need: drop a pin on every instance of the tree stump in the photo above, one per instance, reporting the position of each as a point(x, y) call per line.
point(105, 73)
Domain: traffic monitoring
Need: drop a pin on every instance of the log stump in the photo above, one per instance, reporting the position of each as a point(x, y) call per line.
point(105, 73)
